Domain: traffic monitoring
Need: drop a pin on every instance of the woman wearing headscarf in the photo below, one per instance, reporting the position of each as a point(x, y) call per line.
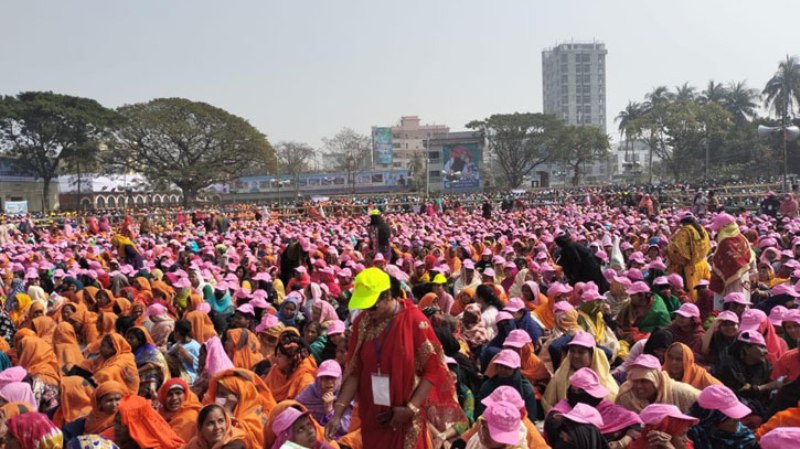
point(163, 325)
point(648, 384)
point(680, 364)
point(474, 330)
point(221, 301)
point(720, 421)
point(18, 392)
point(582, 353)
point(140, 424)
point(320, 396)
point(505, 324)
point(212, 361)
point(202, 327)
point(106, 324)
point(45, 327)
point(179, 407)
point(242, 394)
point(33, 431)
point(37, 357)
point(687, 328)
point(76, 400)
point(270, 437)
point(323, 312)
point(294, 368)
point(734, 260)
point(12, 409)
point(243, 348)
point(150, 362)
point(216, 430)
point(115, 363)
point(84, 322)
point(720, 336)
point(506, 366)
point(66, 347)
point(579, 429)
point(665, 425)
point(296, 427)
point(105, 403)
point(18, 307)
point(289, 310)
point(687, 251)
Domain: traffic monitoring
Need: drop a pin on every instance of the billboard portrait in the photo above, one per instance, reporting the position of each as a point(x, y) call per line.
point(461, 167)
point(382, 145)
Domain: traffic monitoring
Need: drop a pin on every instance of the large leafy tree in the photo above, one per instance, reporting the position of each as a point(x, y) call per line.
point(349, 152)
point(42, 130)
point(519, 141)
point(189, 144)
point(577, 146)
point(782, 92)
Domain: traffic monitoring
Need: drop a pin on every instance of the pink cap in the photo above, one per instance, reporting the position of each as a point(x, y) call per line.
point(514, 305)
point(508, 358)
point(675, 280)
point(790, 316)
point(785, 289)
point(562, 306)
point(584, 339)
point(637, 287)
point(727, 315)
point(204, 307)
point(752, 337)
point(301, 269)
point(468, 264)
point(156, 309)
point(701, 283)
point(591, 295)
point(647, 361)
point(657, 265)
point(268, 321)
point(503, 422)
point(688, 310)
point(517, 339)
point(182, 283)
point(776, 315)
point(283, 422)
point(780, 438)
point(661, 280)
point(504, 394)
point(752, 319)
point(450, 361)
point(246, 309)
point(587, 380)
point(584, 414)
point(653, 414)
point(241, 293)
point(623, 281)
point(737, 298)
point(262, 276)
point(722, 398)
point(486, 252)
point(335, 327)
point(721, 220)
point(329, 368)
point(635, 274)
point(489, 272)
point(557, 288)
point(503, 316)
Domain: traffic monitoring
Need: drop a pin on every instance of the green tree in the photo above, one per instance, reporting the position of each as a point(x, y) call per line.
point(416, 170)
point(714, 93)
point(293, 159)
point(519, 141)
point(577, 146)
point(41, 130)
point(190, 144)
point(350, 152)
point(782, 92)
point(740, 101)
point(626, 119)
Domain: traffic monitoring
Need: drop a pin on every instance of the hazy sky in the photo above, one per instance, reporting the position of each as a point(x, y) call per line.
point(301, 70)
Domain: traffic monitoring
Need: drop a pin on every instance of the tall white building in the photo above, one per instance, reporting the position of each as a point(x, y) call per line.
point(574, 83)
point(408, 139)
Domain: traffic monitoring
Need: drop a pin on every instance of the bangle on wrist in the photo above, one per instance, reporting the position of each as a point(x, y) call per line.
point(414, 409)
point(341, 404)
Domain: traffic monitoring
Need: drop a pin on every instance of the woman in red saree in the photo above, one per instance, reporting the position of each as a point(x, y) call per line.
point(393, 338)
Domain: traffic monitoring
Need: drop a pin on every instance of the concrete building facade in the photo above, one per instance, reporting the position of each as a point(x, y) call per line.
point(408, 141)
point(574, 83)
point(456, 162)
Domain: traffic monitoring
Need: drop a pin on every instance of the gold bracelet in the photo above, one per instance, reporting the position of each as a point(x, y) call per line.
point(414, 409)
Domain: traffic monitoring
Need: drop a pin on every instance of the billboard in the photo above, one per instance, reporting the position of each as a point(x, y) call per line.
point(382, 145)
point(307, 182)
point(461, 167)
point(16, 207)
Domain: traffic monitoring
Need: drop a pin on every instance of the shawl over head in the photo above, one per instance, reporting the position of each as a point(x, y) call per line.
point(668, 391)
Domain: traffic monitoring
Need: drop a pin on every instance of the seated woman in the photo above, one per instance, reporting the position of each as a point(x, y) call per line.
point(76, 400)
point(325, 346)
point(579, 429)
point(214, 429)
point(680, 365)
point(524, 320)
point(582, 353)
point(293, 370)
point(268, 332)
point(179, 407)
point(504, 395)
point(656, 345)
point(620, 426)
point(500, 426)
point(150, 362)
point(506, 365)
point(720, 421)
point(65, 345)
point(245, 397)
point(531, 367)
point(320, 396)
point(566, 319)
point(505, 324)
point(592, 320)
point(18, 392)
point(744, 369)
point(664, 426)
point(211, 361)
point(687, 328)
point(137, 424)
point(270, 437)
point(297, 427)
point(202, 327)
point(37, 357)
point(105, 404)
point(642, 315)
point(720, 336)
point(757, 321)
point(32, 431)
point(648, 384)
point(243, 348)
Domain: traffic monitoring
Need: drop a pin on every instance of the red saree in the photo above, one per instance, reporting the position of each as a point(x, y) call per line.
point(407, 349)
point(730, 262)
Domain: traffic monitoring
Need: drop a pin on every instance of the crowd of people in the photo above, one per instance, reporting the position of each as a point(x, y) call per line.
point(595, 323)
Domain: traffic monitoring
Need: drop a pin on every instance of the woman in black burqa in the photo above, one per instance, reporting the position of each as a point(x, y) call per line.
point(579, 263)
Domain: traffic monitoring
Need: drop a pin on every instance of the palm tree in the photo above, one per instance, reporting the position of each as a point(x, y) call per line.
point(684, 92)
point(782, 91)
point(626, 119)
point(740, 101)
point(714, 93)
point(658, 97)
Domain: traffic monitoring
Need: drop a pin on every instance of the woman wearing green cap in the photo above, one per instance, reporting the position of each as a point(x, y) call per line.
point(395, 368)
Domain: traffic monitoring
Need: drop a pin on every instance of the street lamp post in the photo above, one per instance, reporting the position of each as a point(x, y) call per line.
point(790, 133)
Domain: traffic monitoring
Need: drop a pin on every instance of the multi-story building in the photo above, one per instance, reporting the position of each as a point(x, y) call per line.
point(408, 139)
point(455, 162)
point(574, 90)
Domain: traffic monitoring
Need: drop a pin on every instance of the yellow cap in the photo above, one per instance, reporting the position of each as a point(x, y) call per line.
point(439, 279)
point(368, 286)
point(374, 212)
